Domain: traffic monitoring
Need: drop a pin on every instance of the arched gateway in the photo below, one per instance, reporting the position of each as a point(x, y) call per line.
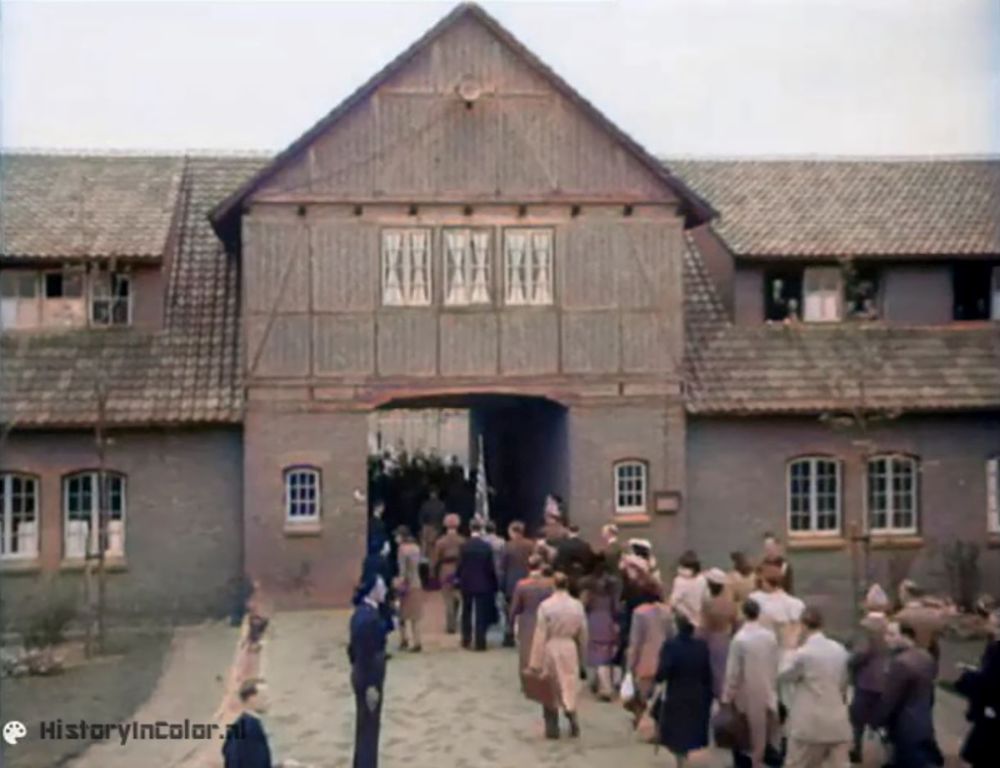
point(465, 228)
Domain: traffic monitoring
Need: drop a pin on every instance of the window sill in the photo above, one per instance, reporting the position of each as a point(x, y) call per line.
point(903, 541)
point(111, 565)
point(809, 543)
point(294, 530)
point(20, 565)
point(632, 519)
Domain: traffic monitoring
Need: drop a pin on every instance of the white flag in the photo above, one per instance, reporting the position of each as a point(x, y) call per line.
point(482, 487)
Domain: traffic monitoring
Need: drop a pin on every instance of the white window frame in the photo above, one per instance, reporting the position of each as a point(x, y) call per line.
point(890, 528)
point(72, 549)
point(407, 274)
point(28, 527)
point(813, 496)
point(466, 268)
point(993, 495)
point(822, 295)
point(297, 478)
point(529, 266)
point(109, 298)
point(631, 492)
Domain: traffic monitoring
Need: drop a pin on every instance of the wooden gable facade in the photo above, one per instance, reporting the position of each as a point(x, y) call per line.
point(466, 135)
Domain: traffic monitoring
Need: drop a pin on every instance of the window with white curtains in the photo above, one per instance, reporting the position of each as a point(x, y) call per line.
point(18, 515)
point(527, 266)
point(822, 289)
point(406, 267)
point(81, 507)
point(466, 267)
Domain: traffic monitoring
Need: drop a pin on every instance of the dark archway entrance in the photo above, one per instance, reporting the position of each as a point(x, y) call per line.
point(524, 440)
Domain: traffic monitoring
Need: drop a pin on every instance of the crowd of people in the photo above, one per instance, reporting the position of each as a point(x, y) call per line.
point(694, 656)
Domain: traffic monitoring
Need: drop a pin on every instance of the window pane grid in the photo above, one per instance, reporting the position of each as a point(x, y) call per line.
point(630, 487)
point(18, 515)
point(406, 272)
point(814, 496)
point(302, 494)
point(892, 495)
point(467, 267)
point(82, 511)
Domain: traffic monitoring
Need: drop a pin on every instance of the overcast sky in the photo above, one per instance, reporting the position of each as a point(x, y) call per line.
point(684, 77)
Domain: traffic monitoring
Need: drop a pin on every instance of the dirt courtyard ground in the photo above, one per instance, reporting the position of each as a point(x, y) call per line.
point(449, 708)
point(445, 707)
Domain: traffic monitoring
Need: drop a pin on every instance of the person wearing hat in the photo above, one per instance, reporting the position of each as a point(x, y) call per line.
point(868, 663)
point(366, 652)
point(444, 566)
point(718, 622)
point(690, 590)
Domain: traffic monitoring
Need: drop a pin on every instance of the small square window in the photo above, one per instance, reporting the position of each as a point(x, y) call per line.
point(302, 494)
point(631, 488)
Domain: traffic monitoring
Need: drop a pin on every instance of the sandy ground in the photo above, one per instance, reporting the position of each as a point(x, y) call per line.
point(451, 708)
point(445, 707)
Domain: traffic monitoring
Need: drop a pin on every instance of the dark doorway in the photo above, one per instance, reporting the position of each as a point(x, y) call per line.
point(524, 440)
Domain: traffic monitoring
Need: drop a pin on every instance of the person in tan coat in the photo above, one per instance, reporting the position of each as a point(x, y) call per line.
point(409, 589)
point(559, 642)
point(444, 565)
point(529, 593)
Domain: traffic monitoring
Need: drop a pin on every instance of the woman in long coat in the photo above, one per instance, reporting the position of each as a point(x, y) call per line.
point(652, 626)
point(718, 622)
point(600, 600)
point(409, 589)
point(558, 645)
point(687, 671)
point(529, 593)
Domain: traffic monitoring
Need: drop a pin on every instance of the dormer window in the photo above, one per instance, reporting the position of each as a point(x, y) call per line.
point(110, 299)
point(976, 289)
point(822, 292)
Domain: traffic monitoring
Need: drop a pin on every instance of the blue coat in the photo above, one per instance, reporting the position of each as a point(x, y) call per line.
point(246, 744)
point(366, 649)
point(476, 571)
point(686, 668)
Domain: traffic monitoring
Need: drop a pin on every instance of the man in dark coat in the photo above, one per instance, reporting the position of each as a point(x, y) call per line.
point(366, 652)
point(246, 743)
point(982, 688)
point(905, 710)
point(687, 670)
point(477, 580)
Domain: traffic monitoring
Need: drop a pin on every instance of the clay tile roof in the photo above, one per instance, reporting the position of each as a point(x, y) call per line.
point(58, 207)
point(865, 208)
point(187, 373)
point(811, 368)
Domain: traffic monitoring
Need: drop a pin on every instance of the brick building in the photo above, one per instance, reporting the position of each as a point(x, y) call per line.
point(700, 350)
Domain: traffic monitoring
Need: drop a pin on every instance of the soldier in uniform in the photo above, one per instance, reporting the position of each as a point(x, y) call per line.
point(444, 565)
point(366, 652)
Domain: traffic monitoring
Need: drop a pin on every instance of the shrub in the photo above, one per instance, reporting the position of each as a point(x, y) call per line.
point(961, 563)
point(47, 625)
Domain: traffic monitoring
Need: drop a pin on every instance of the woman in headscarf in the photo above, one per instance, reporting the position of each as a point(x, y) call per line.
point(718, 623)
point(690, 589)
point(366, 652)
point(529, 593)
point(685, 668)
point(558, 645)
point(409, 589)
point(600, 600)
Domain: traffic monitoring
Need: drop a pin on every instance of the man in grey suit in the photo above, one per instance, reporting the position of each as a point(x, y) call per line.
point(818, 727)
point(751, 683)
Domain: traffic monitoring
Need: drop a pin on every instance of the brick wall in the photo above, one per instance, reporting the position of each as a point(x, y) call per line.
point(736, 491)
point(183, 540)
